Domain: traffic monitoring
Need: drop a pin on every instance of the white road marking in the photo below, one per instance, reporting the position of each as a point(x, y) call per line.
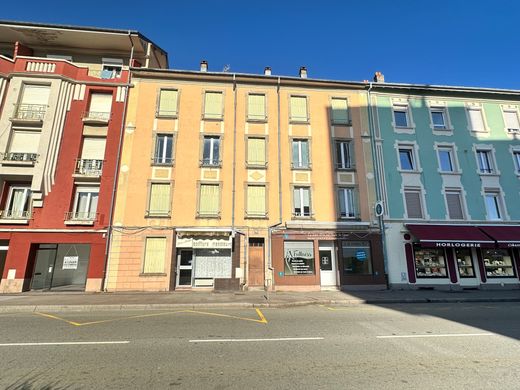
point(410, 336)
point(63, 343)
point(254, 340)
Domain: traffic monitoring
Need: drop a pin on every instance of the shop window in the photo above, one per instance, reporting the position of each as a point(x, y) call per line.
point(256, 201)
point(465, 263)
point(163, 154)
point(211, 151)
point(160, 200)
point(339, 111)
point(343, 155)
point(430, 263)
point(256, 107)
point(298, 109)
point(213, 108)
point(154, 256)
point(357, 259)
point(498, 263)
point(256, 152)
point(168, 103)
point(300, 154)
point(299, 257)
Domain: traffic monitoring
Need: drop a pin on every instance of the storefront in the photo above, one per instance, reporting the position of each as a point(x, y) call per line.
point(206, 258)
point(327, 259)
point(462, 256)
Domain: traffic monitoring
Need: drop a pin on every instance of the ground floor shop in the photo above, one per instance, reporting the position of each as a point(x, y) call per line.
point(327, 259)
point(453, 256)
point(51, 261)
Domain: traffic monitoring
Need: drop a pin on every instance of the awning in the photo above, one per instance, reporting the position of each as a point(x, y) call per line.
point(505, 236)
point(451, 236)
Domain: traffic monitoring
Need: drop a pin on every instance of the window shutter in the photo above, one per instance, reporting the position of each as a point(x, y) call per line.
point(155, 254)
point(339, 110)
point(213, 105)
point(511, 119)
point(159, 198)
point(100, 102)
point(256, 200)
point(413, 204)
point(476, 120)
point(168, 102)
point(36, 94)
point(256, 151)
point(256, 107)
point(24, 141)
point(209, 199)
point(454, 205)
point(93, 149)
point(299, 108)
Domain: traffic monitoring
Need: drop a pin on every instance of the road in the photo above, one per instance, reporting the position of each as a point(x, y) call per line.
point(408, 346)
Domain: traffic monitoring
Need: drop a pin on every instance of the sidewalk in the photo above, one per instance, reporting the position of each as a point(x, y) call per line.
point(69, 301)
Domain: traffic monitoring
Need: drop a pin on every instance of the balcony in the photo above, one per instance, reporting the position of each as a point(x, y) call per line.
point(15, 216)
point(210, 163)
point(29, 113)
point(96, 117)
point(88, 168)
point(80, 217)
point(18, 158)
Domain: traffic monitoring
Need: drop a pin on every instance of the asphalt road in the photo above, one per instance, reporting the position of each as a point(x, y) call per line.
point(458, 346)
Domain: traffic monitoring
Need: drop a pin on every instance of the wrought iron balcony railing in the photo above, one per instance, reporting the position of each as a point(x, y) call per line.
point(15, 214)
point(81, 216)
point(89, 167)
point(31, 112)
point(18, 156)
point(97, 116)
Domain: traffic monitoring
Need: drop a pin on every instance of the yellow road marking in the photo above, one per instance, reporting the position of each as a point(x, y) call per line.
point(262, 319)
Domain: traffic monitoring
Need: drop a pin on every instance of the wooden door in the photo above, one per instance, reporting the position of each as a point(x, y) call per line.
point(256, 262)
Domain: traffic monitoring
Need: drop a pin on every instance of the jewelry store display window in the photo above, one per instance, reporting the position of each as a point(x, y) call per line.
point(465, 263)
point(498, 263)
point(430, 263)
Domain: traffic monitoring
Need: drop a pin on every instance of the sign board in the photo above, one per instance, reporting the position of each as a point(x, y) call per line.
point(361, 255)
point(70, 262)
point(201, 244)
point(299, 257)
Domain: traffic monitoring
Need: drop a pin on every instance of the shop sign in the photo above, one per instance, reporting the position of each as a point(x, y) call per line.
point(513, 244)
point(299, 257)
point(202, 244)
point(70, 262)
point(457, 244)
point(361, 255)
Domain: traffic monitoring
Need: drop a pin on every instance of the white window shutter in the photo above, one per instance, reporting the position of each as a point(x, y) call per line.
point(100, 102)
point(36, 94)
point(93, 148)
point(24, 142)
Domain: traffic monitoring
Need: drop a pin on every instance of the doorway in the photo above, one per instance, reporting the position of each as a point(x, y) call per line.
point(185, 268)
point(4, 247)
point(256, 262)
point(465, 263)
point(328, 267)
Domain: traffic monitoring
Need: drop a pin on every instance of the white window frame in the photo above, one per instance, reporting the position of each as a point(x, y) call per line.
point(26, 195)
point(301, 190)
point(514, 110)
point(346, 161)
point(349, 194)
point(403, 105)
point(453, 158)
point(413, 157)
point(300, 154)
point(437, 106)
point(163, 158)
point(499, 203)
point(211, 157)
point(90, 191)
point(492, 166)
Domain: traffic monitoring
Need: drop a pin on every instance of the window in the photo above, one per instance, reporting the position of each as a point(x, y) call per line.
point(454, 202)
point(476, 120)
point(516, 158)
point(511, 121)
point(160, 200)
point(498, 263)
point(168, 99)
point(163, 154)
point(111, 68)
point(18, 205)
point(339, 111)
point(256, 201)
point(439, 118)
point(413, 203)
point(100, 106)
point(300, 153)
point(302, 202)
point(298, 257)
point(401, 116)
point(256, 151)
point(343, 157)
point(485, 164)
point(406, 159)
point(211, 151)
point(213, 105)
point(33, 102)
point(92, 155)
point(430, 263)
point(85, 203)
point(446, 162)
point(357, 259)
point(154, 255)
point(209, 200)
point(465, 263)
point(23, 145)
point(256, 107)
point(347, 205)
point(298, 107)
point(493, 208)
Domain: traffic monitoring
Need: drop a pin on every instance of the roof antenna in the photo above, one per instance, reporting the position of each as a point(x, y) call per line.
point(226, 68)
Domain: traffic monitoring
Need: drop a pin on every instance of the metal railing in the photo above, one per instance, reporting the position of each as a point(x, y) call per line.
point(30, 111)
point(159, 160)
point(81, 216)
point(89, 167)
point(207, 162)
point(18, 156)
point(97, 116)
point(15, 214)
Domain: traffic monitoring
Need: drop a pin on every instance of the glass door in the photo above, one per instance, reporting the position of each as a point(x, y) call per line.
point(44, 268)
point(465, 266)
point(185, 267)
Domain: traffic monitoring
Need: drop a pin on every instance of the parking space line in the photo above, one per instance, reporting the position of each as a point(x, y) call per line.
point(411, 336)
point(63, 343)
point(262, 319)
point(256, 340)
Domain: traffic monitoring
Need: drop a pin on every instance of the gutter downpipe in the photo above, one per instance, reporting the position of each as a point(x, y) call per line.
point(377, 171)
point(118, 161)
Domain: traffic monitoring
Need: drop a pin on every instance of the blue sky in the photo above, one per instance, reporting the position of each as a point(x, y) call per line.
point(470, 43)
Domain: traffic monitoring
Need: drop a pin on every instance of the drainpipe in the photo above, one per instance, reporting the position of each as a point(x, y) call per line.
point(377, 170)
point(116, 170)
point(234, 151)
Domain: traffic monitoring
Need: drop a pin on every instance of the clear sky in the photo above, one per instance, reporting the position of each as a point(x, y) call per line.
point(453, 42)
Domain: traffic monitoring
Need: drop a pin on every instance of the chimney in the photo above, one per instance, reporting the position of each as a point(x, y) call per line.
point(203, 66)
point(379, 77)
point(303, 72)
point(267, 71)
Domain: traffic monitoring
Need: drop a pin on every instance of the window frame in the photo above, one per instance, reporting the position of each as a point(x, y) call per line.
point(298, 120)
point(339, 166)
point(353, 197)
point(158, 103)
point(459, 192)
point(300, 155)
point(402, 106)
point(256, 120)
point(299, 187)
point(168, 214)
point(410, 149)
point(491, 168)
point(156, 136)
point(333, 121)
point(218, 163)
point(27, 198)
point(246, 203)
point(204, 114)
point(420, 192)
point(85, 189)
point(451, 154)
point(516, 160)
point(498, 202)
point(218, 214)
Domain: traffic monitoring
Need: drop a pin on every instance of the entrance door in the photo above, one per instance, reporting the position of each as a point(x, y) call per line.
point(466, 266)
point(44, 268)
point(4, 247)
point(328, 269)
point(256, 262)
point(185, 267)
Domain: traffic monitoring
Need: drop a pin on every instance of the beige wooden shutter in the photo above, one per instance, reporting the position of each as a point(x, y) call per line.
point(24, 141)
point(93, 148)
point(100, 102)
point(256, 200)
point(159, 198)
point(209, 199)
point(339, 110)
point(299, 108)
point(413, 204)
point(213, 105)
point(168, 102)
point(256, 107)
point(36, 94)
point(454, 205)
point(256, 151)
point(155, 254)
